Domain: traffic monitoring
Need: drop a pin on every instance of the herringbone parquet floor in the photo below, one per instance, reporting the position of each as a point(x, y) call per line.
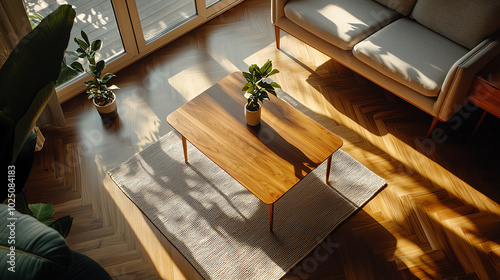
point(438, 218)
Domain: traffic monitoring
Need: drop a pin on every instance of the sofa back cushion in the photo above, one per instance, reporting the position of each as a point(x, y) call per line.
point(466, 22)
point(342, 23)
point(401, 6)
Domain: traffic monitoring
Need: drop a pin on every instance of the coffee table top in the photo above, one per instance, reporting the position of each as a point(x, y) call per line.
point(268, 159)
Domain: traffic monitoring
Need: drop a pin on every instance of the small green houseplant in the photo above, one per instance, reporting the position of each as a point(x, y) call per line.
point(97, 90)
point(258, 88)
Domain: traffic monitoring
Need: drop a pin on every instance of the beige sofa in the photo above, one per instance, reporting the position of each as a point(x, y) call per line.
point(424, 51)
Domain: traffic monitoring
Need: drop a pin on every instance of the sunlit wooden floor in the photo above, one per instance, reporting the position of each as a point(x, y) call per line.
point(438, 218)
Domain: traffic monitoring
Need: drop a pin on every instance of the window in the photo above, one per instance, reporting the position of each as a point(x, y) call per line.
point(129, 29)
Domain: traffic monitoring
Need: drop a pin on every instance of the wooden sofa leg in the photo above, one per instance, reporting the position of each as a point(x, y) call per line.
point(433, 125)
point(277, 35)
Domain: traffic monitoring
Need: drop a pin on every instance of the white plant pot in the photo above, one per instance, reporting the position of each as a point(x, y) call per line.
point(253, 117)
point(108, 111)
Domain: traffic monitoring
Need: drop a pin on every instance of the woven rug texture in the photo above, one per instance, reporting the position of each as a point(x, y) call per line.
point(222, 228)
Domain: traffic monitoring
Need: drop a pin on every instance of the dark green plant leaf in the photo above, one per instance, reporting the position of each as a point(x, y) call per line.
point(276, 85)
point(266, 68)
point(40, 251)
point(63, 225)
point(82, 44)
point(22, 102)
point(107, 77)
point(77, 66)
point(96, 45)
point(85, 37)
point(267, 87)
point(264, 84)
point(254, 68)
point(274, 71)
point(255, 71)
point(42, 211)
point(251, 88)
point(99, 67)
point(248, 76)
point(245, 87)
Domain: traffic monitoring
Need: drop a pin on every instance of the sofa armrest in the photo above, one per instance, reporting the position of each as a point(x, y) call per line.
point(277, 10)
point(460, 77)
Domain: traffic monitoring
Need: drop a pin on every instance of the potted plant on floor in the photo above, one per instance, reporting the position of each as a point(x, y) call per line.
point(103, 97)
point(257, 88)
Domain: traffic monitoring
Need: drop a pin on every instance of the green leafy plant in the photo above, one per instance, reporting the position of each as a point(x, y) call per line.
point(27, 81)
point(43, 212)
point(259, 85)
point(96, 87)
point(66, 73)
point(31, 250)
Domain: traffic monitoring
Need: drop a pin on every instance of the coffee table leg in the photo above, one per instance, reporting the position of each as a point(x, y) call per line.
point(271, 212)
point(184, 147)
point(328, 167)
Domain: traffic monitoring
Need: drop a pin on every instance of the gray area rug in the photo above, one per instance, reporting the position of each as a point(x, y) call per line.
point(221, 228)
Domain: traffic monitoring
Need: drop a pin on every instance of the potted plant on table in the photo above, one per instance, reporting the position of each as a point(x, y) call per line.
point(257, 88)
point(102, 96)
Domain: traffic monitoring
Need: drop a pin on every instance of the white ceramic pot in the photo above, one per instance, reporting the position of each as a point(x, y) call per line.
point(108, 111)
point(253, 117)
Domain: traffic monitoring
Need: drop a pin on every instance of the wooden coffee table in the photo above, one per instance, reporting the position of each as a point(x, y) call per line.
point(268, 159)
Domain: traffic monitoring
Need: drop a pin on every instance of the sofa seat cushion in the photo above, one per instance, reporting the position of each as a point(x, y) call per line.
point(410, 54)
point(342, 23)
